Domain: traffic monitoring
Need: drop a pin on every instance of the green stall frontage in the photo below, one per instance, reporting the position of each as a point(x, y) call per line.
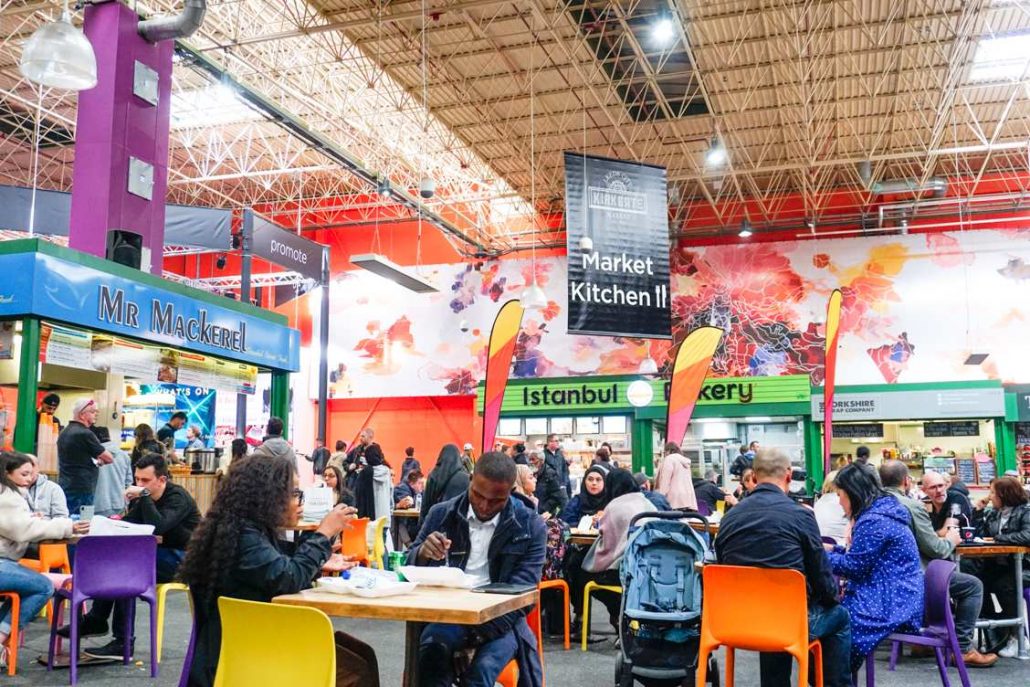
point(1017, 429)
point(82, 326)
point(954, 427)
point(629, 411)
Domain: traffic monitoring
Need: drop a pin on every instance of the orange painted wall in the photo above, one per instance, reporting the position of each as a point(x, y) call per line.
point(425, 422)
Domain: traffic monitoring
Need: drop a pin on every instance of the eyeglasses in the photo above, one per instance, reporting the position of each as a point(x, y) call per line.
point(299, 495)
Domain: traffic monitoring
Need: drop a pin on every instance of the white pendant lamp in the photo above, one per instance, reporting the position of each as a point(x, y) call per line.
point(533, 297)
point(648, 366)
point(58, 55)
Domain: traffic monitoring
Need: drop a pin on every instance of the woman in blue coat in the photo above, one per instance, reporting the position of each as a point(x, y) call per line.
point(884, 590)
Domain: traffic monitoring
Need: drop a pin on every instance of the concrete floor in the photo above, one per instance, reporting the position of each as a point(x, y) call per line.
point(594, 668)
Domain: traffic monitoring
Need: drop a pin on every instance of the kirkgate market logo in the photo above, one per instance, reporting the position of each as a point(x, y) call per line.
point(617, 195)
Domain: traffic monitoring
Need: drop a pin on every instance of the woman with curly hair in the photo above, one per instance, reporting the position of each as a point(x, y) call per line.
point(236, 551)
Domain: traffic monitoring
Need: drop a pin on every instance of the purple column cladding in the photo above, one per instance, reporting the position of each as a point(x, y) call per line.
point(114, 124)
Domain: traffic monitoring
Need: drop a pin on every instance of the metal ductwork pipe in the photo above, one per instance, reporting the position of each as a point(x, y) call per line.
point(936, 184)
point(181, 25)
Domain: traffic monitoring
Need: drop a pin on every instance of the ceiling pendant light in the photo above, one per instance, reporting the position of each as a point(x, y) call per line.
point(648, 366)
point(745, 229)
point(58, 55)
point(716, 155)
point(532, 297)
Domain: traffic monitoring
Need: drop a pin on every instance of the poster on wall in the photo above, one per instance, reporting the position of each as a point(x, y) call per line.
point(6, 340)
point(618, 248)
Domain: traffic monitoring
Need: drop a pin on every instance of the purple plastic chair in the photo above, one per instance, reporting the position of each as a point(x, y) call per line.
point(938, 629)
point(188, 662)
point(122, 568)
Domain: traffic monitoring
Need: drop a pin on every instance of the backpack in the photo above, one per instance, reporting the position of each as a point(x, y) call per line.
point(557, 543)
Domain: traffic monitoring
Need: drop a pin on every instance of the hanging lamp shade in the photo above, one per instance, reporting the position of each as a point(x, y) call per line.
point(648, 366)
point(533, 298)
point(58, 55)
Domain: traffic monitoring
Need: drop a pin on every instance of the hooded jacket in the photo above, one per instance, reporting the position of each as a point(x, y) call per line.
point(18, 527)
point(47, 498)
point(516, 554)
point(448, 479)
point(276, 446)
point(884, 579)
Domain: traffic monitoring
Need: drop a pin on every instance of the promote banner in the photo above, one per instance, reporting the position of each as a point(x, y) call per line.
point(618, 245)
point(287, 249)
point(830, 361)
point(503, 336)
point(693, 360)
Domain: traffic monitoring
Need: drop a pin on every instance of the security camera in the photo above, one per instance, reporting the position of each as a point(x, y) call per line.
point(427, 188)
point(463, 326)
point(586, 244)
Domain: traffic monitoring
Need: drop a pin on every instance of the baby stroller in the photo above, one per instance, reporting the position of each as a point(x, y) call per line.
point(660, 623)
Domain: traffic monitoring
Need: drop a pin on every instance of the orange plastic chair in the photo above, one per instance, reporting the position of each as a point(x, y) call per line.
point(509, 677)
point(756, 609)
point(12, 641)
point(51, 556)
point(354, 541)
point(564, 587)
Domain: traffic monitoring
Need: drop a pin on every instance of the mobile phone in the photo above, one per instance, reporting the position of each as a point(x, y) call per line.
point(86, 513)
point(503, 588)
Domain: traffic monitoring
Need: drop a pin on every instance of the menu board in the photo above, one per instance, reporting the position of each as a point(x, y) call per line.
point(986, 471)
point(863, 430)
point(211, 373)
point(67, 347)
point(966, 470)
point(953, 428)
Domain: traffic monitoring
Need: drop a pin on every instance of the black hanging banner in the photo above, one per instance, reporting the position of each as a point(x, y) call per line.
point(617, 227)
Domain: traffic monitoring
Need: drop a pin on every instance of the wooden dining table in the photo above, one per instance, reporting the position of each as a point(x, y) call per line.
point(416, 608)
point(992, 550)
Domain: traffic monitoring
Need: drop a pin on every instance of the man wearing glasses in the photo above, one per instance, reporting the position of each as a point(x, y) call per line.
point(80, 455)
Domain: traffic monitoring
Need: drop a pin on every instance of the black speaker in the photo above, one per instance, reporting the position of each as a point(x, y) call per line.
point(125, 248)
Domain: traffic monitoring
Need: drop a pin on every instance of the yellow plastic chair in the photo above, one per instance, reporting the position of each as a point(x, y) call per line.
point(162, 594)
point(254, 653)
point(587, 590)
point(379, 543)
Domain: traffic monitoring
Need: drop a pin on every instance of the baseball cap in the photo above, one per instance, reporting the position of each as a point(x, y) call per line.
point(81, 405)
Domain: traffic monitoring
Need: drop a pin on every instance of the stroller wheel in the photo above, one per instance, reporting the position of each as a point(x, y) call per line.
point(623, 673)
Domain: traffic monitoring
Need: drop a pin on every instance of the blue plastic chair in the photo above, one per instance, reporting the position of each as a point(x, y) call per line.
point(120, 568)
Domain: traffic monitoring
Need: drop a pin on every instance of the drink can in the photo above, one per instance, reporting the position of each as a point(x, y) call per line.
point(397, 559)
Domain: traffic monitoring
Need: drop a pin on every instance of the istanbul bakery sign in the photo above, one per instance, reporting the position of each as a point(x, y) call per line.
point(618, 247)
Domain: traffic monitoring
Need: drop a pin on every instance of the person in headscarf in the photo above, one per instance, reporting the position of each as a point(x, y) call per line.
point(591, 498)
point(675, 479)
point(601, 564)
point(448, 479)
point(369, 487)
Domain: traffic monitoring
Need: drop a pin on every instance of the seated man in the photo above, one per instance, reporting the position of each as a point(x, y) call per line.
point(407, 495)
point(769, 530)
point(154, 500)
point(45, 497)
point(493, 538)
point(965, 590)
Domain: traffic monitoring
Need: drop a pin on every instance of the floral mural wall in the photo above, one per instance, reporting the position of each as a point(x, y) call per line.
point(914, 307)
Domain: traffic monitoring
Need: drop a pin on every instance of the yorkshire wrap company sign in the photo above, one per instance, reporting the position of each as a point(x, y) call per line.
point(607, 396)
point(926, 404)
point(618, 282)
point(69, 292)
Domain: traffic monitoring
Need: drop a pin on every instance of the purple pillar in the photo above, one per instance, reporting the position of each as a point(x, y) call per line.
point(115, 124)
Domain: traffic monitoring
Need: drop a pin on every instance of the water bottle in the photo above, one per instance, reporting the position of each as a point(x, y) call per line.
point(418, 502)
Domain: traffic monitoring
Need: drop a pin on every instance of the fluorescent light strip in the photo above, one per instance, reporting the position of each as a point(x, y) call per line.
point(381, 266)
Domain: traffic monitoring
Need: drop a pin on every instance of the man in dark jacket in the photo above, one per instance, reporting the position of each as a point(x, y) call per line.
point(709, 494)
point(352, 464)
point(154, 500)
point(555, 457)
point(742, 462)
point(549, 493)
point(493, 538)
point(519, 454)
point(319, 458)
point(769, 530)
